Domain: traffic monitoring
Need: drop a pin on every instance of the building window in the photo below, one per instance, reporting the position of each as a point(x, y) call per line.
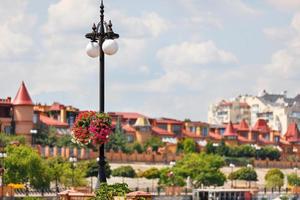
point(176, 129)
point(204, 131)
point(130, 138)
point(163, 126)
point(35, 118)
point(193, 129)
point(276, 139)
point(7, 129)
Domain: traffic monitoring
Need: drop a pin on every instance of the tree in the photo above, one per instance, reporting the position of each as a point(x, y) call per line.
point(56, 165)
point(92, 169)
point(209, 148)
point(244, 173)
point(268, 152)
point(124, 171)
point(117, 140)
point(201, 168)
point(154, 143)
point(108, 192)
point(189, 145)
point(78, 173)
point(222, 149)
point(169, 177)
point(152, 173)
point(293, 179)
point(30, 167)
point(274, 178)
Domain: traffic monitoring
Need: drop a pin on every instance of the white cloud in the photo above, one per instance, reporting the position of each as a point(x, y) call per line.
point(149, 24)
point(283, 70)
point(15, 29)
point(69, 15)
point(189, 53)
point(285, 4)
point(241, 7)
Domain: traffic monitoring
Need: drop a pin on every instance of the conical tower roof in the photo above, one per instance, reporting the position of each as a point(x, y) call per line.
point(292, 133)
point(22, 97)
point(230, 130)
point(142, 121)
point(243, 126)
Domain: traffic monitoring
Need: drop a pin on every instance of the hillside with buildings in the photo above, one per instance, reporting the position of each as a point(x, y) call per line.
point(262, 120)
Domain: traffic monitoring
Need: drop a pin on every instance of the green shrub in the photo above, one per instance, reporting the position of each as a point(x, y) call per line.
point(108, 192)
point(238, 161)
point(124, 171)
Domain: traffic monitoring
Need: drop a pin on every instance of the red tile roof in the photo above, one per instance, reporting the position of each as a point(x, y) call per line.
point(168, 121)
point(292, 133)
point(215, 136)
point(230, 131)
point(52, 122)
point(243, 126)
point(56, 106)
point(161, 132)
point(190, 134)
point(261, 126)
point(128, 128)
point(22, 97)
point(127, 115)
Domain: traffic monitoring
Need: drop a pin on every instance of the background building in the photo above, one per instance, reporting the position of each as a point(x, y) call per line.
point(277, 109)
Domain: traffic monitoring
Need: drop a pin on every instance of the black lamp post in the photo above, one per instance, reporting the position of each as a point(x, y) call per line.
point(102, 42)
point(73, 161)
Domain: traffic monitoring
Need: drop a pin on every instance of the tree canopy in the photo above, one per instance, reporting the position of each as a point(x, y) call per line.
point(201, 168)
point(244, 173)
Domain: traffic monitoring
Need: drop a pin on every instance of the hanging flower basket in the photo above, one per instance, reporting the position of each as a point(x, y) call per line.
point(91, 128)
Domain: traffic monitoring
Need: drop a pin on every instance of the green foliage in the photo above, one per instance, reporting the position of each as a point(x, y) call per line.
point(246, 151)
point(117, 140)
point(202, 168)
point(268, 152)
point(244, 173)
point(242, 151)
point(189, 146)
point(293, 179)
point(108, 192)
point(124, 171)
point(46, 136)
point(65, 141)
point(168, 177)
point(79, 174)
point(151, 173)
point(92, 168)
point(238, 161)
point(274, 178)
point(137, 147)
point(56, 165)
point(274, 171)
point(31, 198)
point(179, 147)
point(30, 167)
point(209, 148)
point(5, 140)
point(154, 143)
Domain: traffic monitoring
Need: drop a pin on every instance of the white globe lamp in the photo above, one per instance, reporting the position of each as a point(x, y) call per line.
point(110, 47)
point(92, 49)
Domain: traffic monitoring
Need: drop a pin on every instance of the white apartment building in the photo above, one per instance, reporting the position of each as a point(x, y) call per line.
point(277, 109)
point(226, 111)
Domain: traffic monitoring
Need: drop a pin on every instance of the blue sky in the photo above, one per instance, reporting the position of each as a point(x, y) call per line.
point(176, 56)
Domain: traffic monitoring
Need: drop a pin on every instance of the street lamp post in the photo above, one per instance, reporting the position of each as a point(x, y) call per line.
point(231, 166)
point(3, 155)
point(73, 161)
point(102, 42)
point(250, 166)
